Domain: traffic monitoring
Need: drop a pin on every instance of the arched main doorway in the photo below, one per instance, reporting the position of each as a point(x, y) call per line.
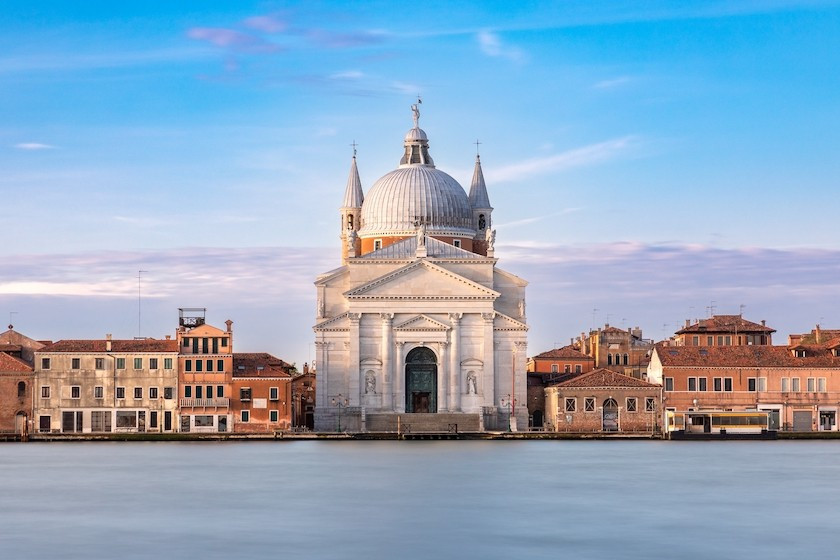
point(610, 418)
point(421, 380)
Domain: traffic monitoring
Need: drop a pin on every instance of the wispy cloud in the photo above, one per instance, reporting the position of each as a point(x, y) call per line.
point(491, 45)
point(578, 157)
point(534, 219)
point(231, 38)
point(271, 23)
point(612, 83)
point(33, 146)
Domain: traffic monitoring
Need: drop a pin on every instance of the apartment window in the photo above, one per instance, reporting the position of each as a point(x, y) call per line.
point(75, 392)
point(821, 384)
point(456, 243)
point(756, 384)
point(717, 384)
point(274, 393)
point(812, 384)
point(45, 392)
point(589, 404)
point(650, 404)
point(692, 383)
point(710, 341)
point(567, 368)
point(727, 384)
point(246, 415)
point(199, 392)
point(209, 391)
point(220, 391)
point(720, 340)
point(138, 392)
point(695, 340)
point(138, 363)
point(153, 363)
point(609, 359)
point(21, 389)
point(794, 384)
point(555, 368)
point(120, 392)
point(245, 394)
point(224, 342)
point(571, 404)
point(44, 424)
point(578, 368)
point(209, 365)
point(195, 346)
point(377, 244)
point(701, 384)
point(99, 363)
point(187, 391)
point(215, 345)
point(785, 384)
point(167, 363)
point(728, 340)
point(273, 416)
point(168, 393)
point(153, 419)
point(220, 364)
point(45, 363)
point(799, 353)
point(632, 404)
point(751, 384)
point(153, 392)
point(199, 365)
point(204, 346)
point(188, 365)
point(669, 383)
point(99, 392)
point(186, 342)
point(75, 363)
point(120, 363)
point(626, 359)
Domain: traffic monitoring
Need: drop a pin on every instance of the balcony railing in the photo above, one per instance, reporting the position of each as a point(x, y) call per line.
point(195, 403)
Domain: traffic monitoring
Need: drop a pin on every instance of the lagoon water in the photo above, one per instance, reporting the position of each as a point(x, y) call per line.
point(407, 500)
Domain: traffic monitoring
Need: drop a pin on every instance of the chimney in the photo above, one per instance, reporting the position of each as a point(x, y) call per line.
point(169, 337)
point(108, 342)
point(818, 335)
point(305, 368)
point(229, 324)
point(763, 323)
point(687, 323)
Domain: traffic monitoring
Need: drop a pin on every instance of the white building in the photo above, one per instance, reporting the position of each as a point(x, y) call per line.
point(418, 322)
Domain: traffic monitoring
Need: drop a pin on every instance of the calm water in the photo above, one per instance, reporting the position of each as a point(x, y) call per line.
point(588, 499)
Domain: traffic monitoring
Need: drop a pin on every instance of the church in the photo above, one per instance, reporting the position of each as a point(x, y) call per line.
point(418, 330)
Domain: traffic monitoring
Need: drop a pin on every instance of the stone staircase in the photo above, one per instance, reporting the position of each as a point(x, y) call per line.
point(443, 422)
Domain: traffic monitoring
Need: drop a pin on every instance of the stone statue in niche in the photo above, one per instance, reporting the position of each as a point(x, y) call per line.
point(490, 237)
point(370, 383)
point(321, 309)
point(472, 389)
point(522, 308)
point(421, 235)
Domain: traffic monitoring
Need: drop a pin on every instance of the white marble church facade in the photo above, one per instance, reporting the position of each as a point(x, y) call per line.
point(419, 323)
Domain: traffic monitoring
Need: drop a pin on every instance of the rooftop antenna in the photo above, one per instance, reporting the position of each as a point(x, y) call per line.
point(741, 310)
point(11, 322)
point(139, 302)
point(711, 308)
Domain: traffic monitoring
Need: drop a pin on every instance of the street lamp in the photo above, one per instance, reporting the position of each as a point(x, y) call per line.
point(340, 401)
point(511, 403)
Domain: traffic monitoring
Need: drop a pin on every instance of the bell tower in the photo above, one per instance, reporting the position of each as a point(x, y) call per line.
point(481, 209)
point(351, 213)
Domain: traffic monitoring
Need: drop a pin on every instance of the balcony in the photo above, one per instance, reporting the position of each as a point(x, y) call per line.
point(205, 403)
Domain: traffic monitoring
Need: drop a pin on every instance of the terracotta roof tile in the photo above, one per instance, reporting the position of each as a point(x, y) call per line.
point(568, 351)
point(746, 356)
point(144, 345)
point(259, 364)
point(605, 378)
point(10, 364)
point(726, 323)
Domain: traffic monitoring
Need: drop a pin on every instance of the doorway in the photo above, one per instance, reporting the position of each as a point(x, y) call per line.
point(421, 381)
point(610, 416)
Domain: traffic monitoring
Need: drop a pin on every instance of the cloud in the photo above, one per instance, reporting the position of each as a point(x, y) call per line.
point(231, 38)
point(347, 75)
point(333, 40)
point(612, 83)
point(266, 24)
point(491, 45)
point(33, 146)
point(578, 157)
point(533, 219)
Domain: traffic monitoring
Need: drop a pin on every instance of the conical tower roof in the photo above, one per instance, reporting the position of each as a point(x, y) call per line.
point(353, 195)
point(478, 190)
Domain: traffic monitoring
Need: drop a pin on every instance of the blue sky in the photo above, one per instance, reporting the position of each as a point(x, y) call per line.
point(644, 161)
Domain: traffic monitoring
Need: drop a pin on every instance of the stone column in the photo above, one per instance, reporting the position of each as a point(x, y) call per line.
point(399, 377)
point(491, 376)
point(387, 366)
point(455, 381)
point(443, 379)
point(354, 384)
point(322, 379)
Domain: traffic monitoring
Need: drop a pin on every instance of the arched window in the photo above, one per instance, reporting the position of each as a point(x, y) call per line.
point(482, 223)
point(626, 359)
point(21, 389)
point(350, 221)
point(609, 359)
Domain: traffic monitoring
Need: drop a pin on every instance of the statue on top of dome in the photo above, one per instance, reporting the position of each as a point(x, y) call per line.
point(416, 110)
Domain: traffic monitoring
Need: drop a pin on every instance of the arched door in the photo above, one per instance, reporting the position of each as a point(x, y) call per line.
point(610, 418)
point(20, 423)
point(421, 380)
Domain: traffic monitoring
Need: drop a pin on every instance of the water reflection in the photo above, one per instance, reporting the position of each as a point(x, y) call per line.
point(512, 499)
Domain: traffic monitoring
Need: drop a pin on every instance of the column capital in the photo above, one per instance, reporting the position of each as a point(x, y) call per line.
point(354, 317)
point(386, 317)
point(455, 317)
point(488, 316)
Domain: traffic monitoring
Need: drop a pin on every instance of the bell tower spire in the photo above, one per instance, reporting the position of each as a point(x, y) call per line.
point(481, 209)
point(351, 212)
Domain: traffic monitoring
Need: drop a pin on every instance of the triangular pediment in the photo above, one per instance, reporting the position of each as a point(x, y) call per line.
point(422, 280)
point(421, 323)
point(205, 330)
point(340, 323)
point(503, 322)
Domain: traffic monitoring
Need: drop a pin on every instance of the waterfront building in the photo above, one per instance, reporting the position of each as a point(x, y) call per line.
point(798, 385)
point(205, 366)
point(724, 330)
point(624, 351)
point(15, 394)
point(303, 399)
point(19, 345)
point(418, 325)
point(261, 395)
point(553, 366)
point(818, 335)
point(105, 385)
point(604, 401)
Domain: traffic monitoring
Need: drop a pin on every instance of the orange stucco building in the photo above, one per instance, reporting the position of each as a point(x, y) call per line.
point(261, 393)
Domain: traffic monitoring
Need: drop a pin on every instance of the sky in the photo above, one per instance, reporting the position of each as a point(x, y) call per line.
point(648, 162)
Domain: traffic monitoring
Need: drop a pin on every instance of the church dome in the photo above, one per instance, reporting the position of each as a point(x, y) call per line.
point(416, 193)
